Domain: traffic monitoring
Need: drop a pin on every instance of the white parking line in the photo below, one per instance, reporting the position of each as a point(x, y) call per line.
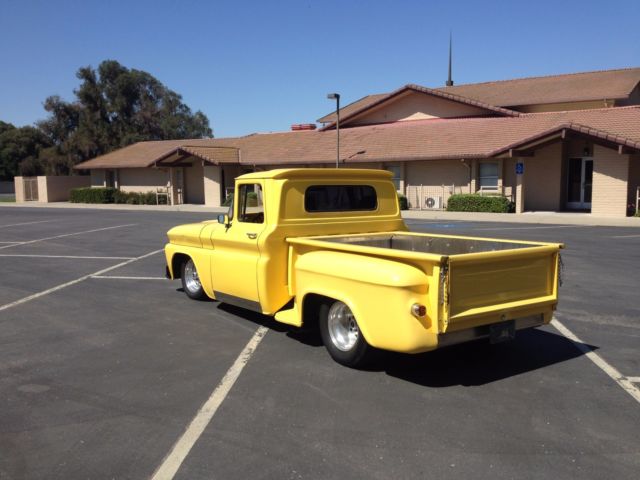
point(625, 236)
point(26, 223)
point(73, 282)
point(634, 379)
point(180, 450)
point(10, 242)
point(67, 235)
point(127, 278)
point(625, 382)
point(63, 256)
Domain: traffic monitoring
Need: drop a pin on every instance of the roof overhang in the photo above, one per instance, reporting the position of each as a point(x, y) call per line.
point(527, 146)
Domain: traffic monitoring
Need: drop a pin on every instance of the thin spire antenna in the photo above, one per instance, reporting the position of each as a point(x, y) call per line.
point(449, 82)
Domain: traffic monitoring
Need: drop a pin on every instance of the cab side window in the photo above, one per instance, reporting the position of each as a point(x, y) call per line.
point(250, 204)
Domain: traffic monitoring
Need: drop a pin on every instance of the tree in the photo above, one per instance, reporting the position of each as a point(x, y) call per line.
point(114, 107)
point(19, 145)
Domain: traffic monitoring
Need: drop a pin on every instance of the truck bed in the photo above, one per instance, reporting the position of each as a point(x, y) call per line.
point(480, 280)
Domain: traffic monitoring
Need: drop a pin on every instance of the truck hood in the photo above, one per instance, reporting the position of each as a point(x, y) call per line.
point(188, 234)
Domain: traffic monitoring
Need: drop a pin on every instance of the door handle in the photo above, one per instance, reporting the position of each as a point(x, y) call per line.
point(252, 236)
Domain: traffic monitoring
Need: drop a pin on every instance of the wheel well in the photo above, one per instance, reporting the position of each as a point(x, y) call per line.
point(311, 309)
point(176, 264)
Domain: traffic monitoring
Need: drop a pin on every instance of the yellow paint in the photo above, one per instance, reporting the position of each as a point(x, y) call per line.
point(282, 260)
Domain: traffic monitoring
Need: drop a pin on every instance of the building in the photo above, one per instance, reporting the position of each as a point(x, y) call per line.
point(555, 143)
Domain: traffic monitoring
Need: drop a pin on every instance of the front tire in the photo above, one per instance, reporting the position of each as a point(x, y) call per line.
point(191, 281)
point(341, 335)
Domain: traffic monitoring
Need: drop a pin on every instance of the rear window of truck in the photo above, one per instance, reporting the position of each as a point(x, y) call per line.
point(340, 198)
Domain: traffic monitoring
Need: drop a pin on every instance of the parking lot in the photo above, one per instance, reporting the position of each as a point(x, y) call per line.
point(104, 364)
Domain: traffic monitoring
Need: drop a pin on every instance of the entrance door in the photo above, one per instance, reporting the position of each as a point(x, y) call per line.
point(580, 181)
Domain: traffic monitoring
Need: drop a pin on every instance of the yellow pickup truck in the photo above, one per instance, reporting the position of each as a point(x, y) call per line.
point(328, 248)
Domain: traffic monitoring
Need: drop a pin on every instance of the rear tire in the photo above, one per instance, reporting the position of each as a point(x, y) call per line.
point(191, 281)
point(342, 337)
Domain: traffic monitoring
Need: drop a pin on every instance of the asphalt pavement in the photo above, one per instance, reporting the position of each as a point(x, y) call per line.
point(104, 365)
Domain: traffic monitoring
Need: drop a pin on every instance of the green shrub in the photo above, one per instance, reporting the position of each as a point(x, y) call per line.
point(139, 198)
point(404, 203)
point(479, 203)
point(92, 195)
point(228, 200)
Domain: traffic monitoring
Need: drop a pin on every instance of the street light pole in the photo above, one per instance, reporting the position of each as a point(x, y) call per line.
point(336, 97)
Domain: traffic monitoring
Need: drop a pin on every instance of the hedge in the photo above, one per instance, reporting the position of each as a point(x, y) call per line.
point(92, 195)
point(404, 203)
point(479, 203)
point(113, 195)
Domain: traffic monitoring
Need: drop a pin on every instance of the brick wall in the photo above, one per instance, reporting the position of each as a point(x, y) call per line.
point(610, 175)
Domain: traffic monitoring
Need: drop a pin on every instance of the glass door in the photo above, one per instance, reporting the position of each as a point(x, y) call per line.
point(579, 183)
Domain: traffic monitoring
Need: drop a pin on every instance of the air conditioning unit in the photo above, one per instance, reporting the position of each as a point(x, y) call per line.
point(433, 203)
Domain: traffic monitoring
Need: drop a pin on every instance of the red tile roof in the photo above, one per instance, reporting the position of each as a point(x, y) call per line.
point(474, 137)
point(573, 87)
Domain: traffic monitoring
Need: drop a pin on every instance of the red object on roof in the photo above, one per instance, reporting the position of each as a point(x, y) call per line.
point(303, 126)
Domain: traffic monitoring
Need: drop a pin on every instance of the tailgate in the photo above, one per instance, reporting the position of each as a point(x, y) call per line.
point(487, 287)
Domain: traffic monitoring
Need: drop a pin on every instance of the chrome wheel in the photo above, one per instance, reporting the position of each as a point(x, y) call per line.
point(342, 326)
point(191, 279)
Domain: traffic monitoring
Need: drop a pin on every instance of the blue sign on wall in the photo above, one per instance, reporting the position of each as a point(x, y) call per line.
point(519, 168)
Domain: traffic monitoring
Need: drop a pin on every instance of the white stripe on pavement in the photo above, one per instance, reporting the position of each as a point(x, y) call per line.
point(127, 278)
point(26, 223)
point(64, 256)
point(172, 462)
point(626, 236)
point(68, 235)
point(73, 282)
point(624, 382)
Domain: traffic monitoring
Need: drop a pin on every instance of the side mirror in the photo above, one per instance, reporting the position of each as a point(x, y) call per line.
point(223, 219)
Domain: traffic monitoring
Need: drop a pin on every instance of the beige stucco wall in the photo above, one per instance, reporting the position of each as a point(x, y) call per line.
point(194, 183)
point(415, 106)
point(542, 177)
point(212, 180)
point(634, 179)
point(57, 189)
point(142, 179)
point(435, 173)
point(19, 186)
point(610, 175)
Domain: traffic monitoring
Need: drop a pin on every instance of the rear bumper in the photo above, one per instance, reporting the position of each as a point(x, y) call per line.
point(483, 331)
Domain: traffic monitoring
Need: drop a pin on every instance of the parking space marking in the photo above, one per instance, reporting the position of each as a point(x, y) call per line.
point(10, 242)
point(180, 450)
point(626, 236)
point(67, 235)
point(113, 277)
point(26, 223)
point(63, 256)
point(625, 382)
point(73, 282)
point(634, 379)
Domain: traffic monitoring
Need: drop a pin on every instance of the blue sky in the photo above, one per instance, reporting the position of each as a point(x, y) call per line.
point(258, 66)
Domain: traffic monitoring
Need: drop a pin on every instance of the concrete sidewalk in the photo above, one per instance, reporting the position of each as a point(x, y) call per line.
point(551, 218)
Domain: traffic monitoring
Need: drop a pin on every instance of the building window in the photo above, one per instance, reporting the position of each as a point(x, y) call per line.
point(395, 170)
point(488, 177)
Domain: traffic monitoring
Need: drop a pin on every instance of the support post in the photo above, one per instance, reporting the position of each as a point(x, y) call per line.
point(520, 188)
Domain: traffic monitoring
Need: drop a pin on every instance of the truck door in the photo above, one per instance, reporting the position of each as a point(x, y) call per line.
point(235, 249)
